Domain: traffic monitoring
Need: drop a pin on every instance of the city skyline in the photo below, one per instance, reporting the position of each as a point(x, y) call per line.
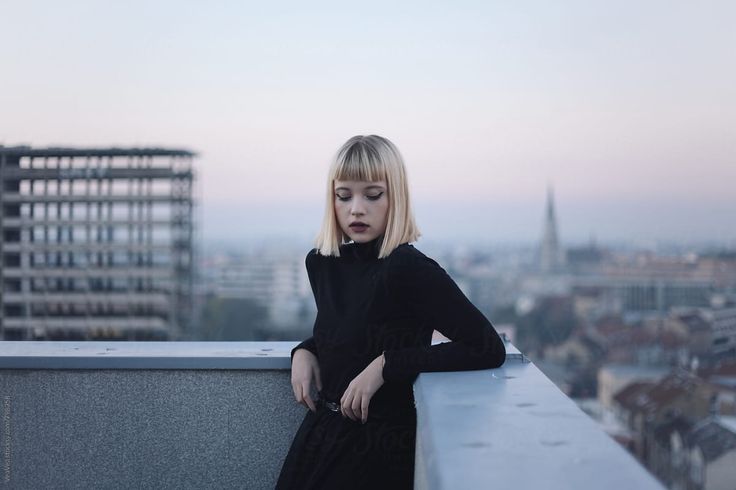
point(627, 109)
point(500, 223)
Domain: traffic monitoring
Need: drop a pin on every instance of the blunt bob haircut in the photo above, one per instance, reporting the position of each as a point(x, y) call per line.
point(369, 158)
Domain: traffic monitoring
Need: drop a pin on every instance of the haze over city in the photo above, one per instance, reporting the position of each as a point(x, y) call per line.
point(626, 109)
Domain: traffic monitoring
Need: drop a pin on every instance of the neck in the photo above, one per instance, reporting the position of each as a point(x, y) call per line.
point(364, 250)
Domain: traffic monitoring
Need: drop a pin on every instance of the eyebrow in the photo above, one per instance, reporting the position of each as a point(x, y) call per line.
point(367, 187)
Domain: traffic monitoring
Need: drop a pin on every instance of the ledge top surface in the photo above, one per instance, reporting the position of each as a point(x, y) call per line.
point(490, 427)
point(44, 354)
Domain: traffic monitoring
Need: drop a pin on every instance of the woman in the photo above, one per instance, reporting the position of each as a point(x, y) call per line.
point(378, 301)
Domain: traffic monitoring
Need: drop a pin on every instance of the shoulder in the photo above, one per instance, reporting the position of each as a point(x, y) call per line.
point(315, 259)
point(409, 273)
point(311, 256)
point(408, 254)
point(406, 258)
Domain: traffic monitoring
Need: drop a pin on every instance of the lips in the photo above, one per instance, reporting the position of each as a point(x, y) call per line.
point(358, 227)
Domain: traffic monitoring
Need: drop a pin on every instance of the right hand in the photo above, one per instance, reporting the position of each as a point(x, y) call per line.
point(304, 368)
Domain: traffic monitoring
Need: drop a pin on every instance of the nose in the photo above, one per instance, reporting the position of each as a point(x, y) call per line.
point(357, 206)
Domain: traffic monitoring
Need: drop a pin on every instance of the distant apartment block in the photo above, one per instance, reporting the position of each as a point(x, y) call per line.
point(95, 243)
point(659, 283)
point(276, 281)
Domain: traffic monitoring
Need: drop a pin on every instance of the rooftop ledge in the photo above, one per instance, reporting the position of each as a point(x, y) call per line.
point(221, 414)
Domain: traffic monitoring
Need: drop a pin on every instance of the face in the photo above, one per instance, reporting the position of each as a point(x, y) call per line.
point(358, 201)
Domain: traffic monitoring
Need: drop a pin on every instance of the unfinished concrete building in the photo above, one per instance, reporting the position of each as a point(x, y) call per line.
point(96, 243)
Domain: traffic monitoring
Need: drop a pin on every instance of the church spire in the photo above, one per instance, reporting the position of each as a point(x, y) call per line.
point(551, 257)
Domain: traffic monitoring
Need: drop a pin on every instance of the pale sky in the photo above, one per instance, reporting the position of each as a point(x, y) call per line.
point(628, 108)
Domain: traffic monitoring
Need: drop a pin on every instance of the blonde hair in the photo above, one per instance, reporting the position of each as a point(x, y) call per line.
point(369, 158)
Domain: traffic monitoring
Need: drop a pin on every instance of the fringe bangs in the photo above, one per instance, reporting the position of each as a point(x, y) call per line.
point(359, 162)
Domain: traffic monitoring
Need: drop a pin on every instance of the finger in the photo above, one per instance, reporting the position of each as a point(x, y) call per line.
point(350, 414)
point(350, 409)
point(364, 409)
point(310, 403)
point(305, 386)
point(345, 406)
point(317, 378)
point(357, 403)
point(297, 392)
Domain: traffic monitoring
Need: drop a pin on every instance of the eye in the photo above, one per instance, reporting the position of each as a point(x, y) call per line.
point(342, 198)
point(376, 197)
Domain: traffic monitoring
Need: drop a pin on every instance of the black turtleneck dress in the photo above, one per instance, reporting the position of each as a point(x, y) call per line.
point(367, 306)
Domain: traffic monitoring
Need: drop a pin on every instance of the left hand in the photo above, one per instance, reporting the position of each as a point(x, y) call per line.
point(358, 394)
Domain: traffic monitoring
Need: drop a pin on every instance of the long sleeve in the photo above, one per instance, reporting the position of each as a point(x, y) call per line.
point(428, 292)
point(308, 344)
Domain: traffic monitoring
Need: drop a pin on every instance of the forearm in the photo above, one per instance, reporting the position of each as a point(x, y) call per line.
point(405, 364)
